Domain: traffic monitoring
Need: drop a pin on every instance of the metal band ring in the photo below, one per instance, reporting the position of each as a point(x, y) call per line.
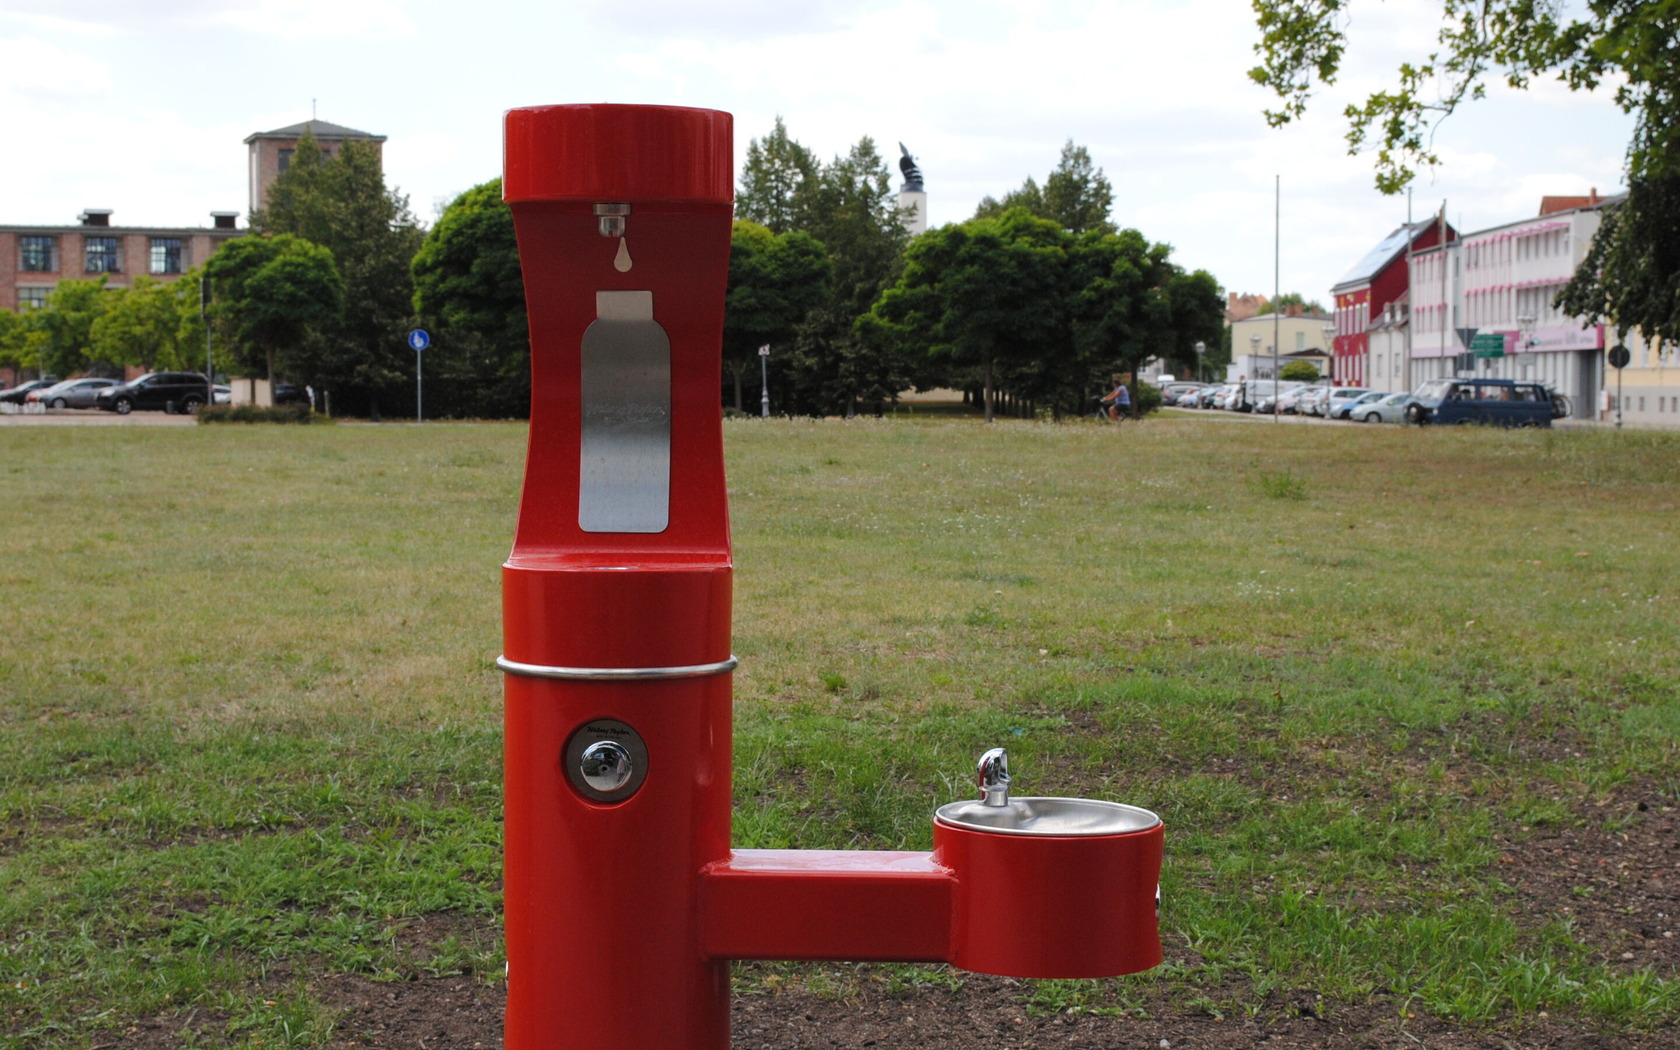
point(615, 674)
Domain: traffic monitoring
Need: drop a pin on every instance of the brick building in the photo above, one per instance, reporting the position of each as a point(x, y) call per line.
point(270, 152)
point(33, 259)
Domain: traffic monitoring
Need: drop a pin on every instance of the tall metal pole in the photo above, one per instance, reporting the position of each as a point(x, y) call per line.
point(418, 415)
point(764, 382)
point(204, 316)
point(1277, 286)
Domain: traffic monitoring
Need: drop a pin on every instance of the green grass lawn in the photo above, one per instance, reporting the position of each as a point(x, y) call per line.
point(250, 719)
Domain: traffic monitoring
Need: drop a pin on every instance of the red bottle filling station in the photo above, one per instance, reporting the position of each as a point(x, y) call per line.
point(624, 901)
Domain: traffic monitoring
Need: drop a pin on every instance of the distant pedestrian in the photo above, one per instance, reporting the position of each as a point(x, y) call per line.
point(1240, 402)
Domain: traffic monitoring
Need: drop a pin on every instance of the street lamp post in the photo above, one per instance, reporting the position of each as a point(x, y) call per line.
point(1201, 348)
point(764, 381)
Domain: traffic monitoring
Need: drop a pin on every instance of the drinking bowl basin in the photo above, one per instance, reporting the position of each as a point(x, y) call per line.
point(1048, 816)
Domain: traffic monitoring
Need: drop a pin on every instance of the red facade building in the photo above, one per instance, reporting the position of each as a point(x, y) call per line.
point(1374, 282)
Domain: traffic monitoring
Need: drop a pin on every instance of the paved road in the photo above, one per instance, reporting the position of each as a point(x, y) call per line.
point(92, 417)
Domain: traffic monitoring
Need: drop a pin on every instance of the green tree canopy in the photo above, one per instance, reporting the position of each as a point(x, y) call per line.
point(342, 204)
point(140, 325)
point(854, 214)
point(1077, 195)
point(469, 293)
point(1299, 372)
point(986, 294)
point(1288, 299)
point(272, 293)
point(62, 329)
point(774, 281)
point(14, 339)
point(1633, 273)
point(777, 182)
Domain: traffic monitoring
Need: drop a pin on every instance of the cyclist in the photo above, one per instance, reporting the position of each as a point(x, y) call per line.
point(1119, 401)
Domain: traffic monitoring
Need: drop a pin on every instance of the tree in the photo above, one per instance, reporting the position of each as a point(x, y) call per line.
point(470, 294)
point(1077, 196)
point(140, 325)
point(62, 333)
point(14, 338)
point(1132, 303)
point(774, 282)
point(1028, 197)
point(271, 294)
point(1288, 299)
point(985, 295)
point(342, 204)
point(1633, 274)
point(854, 213)
point(776, 182)
point(1299, 372)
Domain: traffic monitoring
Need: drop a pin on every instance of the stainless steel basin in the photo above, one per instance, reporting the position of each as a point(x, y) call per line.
point(1048, 816)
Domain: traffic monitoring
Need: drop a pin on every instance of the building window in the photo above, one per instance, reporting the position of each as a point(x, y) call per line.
point(32, 298)
point(166, 255)
point(286, 159)
point(103, 255)
point(38, 254)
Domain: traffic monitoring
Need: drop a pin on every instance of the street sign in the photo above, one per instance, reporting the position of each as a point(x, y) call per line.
point(764, 351)
point(1619, 357)
point(1466, 335)
point(1488, 344)
point(418, 339)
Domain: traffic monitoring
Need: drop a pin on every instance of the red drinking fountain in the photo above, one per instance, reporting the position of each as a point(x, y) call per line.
point(624, 901)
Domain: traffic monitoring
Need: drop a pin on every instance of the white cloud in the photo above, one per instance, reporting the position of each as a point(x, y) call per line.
point(289, 19)
point(716, 19)
point(33, 72)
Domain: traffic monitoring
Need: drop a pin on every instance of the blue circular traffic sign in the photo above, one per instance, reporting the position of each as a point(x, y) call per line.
point(418, 339)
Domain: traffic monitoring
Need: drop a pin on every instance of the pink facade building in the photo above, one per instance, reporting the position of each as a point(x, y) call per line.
point(1492, 295)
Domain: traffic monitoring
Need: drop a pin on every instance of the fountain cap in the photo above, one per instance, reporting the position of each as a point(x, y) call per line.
point(610, 152)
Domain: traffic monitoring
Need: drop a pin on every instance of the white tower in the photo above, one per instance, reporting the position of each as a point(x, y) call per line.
point(912, 199)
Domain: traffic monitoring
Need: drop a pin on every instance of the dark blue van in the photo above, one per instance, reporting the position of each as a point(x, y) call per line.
point(1490, 402)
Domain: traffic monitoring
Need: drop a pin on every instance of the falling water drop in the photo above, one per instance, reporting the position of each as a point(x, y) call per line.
point(621, 262)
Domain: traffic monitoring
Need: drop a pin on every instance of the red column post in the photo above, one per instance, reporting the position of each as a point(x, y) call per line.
point(616, 598)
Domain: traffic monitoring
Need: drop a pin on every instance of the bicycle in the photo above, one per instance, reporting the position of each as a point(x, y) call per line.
point(1100, 413)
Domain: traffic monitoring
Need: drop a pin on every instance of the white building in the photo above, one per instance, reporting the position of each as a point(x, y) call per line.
point(1501, 282)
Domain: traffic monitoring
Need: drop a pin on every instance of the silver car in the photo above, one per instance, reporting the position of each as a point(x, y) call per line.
point(72, 393)
point(1388, 409)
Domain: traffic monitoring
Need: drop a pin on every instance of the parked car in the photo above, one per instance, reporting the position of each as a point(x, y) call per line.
point(16, 394)
point(290, 394)
point(1340, 399)
point(72, 393)
point(1207, 396)
point(1311, 403)
point(1493, 402)
point(222, 394)
point(156, 391)
point(1390, 408)
point(1290, 403)
point(1264, 394)
point(1348, 408)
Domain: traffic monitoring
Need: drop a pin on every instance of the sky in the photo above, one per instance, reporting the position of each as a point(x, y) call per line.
point(143, 106)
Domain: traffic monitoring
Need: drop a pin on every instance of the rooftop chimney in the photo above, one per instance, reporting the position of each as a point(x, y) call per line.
point(95, 217)
point(224, 219)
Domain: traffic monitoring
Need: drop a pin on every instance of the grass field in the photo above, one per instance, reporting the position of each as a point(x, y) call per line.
point(1378, 681)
